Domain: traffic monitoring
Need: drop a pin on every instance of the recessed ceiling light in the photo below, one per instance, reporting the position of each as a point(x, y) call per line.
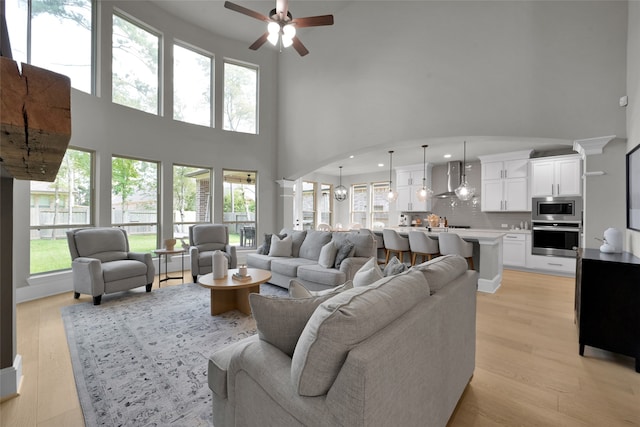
point(351, 156)
point(380, 165)
point(447, 156)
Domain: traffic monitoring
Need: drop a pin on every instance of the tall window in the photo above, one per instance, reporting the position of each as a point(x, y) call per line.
point(58, 206)
point(308, 205)
point(134, 201)
point(191, 198)
point(326, 203)
point(240, 98)
point(380, 205)
point(192, 95)
point(359, 204)
point(135, 70)
point(240, 206)
point(60, 38)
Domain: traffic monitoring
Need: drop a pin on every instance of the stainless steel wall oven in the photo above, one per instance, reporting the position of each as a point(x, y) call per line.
point(556, 225)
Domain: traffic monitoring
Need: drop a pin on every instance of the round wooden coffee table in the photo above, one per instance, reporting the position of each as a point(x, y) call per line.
point(233, 294)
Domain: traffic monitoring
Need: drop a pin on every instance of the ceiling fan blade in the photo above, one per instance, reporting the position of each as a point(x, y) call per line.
point(313, 21)
point(299, 47)
point(245, 11)
point(258, 43)
point(282, 7)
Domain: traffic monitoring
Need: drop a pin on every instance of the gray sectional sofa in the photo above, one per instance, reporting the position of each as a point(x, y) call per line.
point(303, 263)
point(398, 352)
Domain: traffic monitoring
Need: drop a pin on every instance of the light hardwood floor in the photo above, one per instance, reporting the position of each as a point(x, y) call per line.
point(528, 371)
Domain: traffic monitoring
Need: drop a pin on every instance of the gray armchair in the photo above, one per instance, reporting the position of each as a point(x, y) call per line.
point(102, 263)
point(204, 239)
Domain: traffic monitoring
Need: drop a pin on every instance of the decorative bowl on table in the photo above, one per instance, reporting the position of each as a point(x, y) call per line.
point(169, 244)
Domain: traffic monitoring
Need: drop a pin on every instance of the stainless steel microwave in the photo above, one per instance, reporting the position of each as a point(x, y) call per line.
point(554, 209)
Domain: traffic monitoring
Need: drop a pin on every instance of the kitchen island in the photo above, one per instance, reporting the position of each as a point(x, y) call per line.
point(487, 252)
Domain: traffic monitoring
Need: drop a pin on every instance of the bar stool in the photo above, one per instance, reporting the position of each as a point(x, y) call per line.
point(423, 245)
point(452, 244)
point(393, 242)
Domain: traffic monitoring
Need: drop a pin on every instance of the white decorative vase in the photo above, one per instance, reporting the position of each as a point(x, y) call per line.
point(219, 265)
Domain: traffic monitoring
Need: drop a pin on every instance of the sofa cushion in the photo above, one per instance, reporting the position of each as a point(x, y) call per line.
point(313, 243)
point(365, 244)
point(328, 255)
point(324, 276)
point(280, 247)
point(345, 320)
point(105, 244)
point(259, 261)
point(122, 269)
point(289, 266)
point(393, 267)
point(442, 270)
point(280, 321)
point(369, 273)
point(298, 290)
point(346, 249)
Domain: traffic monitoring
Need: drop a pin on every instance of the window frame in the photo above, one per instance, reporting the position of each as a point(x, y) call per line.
point(67, 226)
point(328, 188)
point(209, 213)
point(312, 213)
point(352, 198)
point(256, 68)
point(212, 90)
point(372, 212)
point(254, 222)
point(150, 29)
point(126, 225)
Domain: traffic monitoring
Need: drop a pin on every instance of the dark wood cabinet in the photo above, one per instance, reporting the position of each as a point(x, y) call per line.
point(607, 302)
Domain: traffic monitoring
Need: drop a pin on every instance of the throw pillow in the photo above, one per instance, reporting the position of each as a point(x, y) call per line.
point(298, 290)
point(280, 321)
point(280, 247)
point(442, 270)
point(266, 245)
point(368, 273)
point(346, 250)
point(327, 255)
point(393, 267)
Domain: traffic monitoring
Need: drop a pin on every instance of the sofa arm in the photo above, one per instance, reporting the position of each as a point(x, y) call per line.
point(351, 265)
point(193, 255)
point(231, 250)
point(144, 257)
point(87, 276)
point(269, 386)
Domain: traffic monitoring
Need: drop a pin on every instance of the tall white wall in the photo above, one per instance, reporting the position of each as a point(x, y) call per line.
point(110, 129)
point(633, 92)
point(392, 71)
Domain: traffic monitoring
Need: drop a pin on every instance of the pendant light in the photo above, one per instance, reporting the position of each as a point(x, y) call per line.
point(465, 191)
point(424, 193)
point(340, 193)
point(391, 195)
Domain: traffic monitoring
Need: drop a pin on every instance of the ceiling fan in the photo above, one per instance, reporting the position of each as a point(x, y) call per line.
point(282, 25)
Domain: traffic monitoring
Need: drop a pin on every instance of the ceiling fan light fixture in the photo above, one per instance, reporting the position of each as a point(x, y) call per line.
point(286, 41)
point(289, 31)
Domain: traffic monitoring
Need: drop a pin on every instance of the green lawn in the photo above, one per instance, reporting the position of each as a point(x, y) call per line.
point(52, 255)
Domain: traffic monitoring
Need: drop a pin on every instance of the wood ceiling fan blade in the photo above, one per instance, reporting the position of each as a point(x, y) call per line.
point(258, 43)
point(313, 21)
point(245, 11)
point(299, 47)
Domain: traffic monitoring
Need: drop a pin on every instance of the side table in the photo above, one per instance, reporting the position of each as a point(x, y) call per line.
point(167, 253)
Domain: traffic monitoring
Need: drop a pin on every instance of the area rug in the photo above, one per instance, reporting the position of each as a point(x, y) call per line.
point(140, 359)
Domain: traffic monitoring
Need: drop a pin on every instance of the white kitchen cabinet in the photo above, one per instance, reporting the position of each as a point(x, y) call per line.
point(552, 264)
point(556, 176)
point(505, 182)
point(409, 181)
point(514, 250)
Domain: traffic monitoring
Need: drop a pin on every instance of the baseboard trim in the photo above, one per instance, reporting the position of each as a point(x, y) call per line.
point(11, 380)
point(490, 285)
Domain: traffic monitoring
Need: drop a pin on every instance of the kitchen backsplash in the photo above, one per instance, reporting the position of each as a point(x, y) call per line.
point(468, 213)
